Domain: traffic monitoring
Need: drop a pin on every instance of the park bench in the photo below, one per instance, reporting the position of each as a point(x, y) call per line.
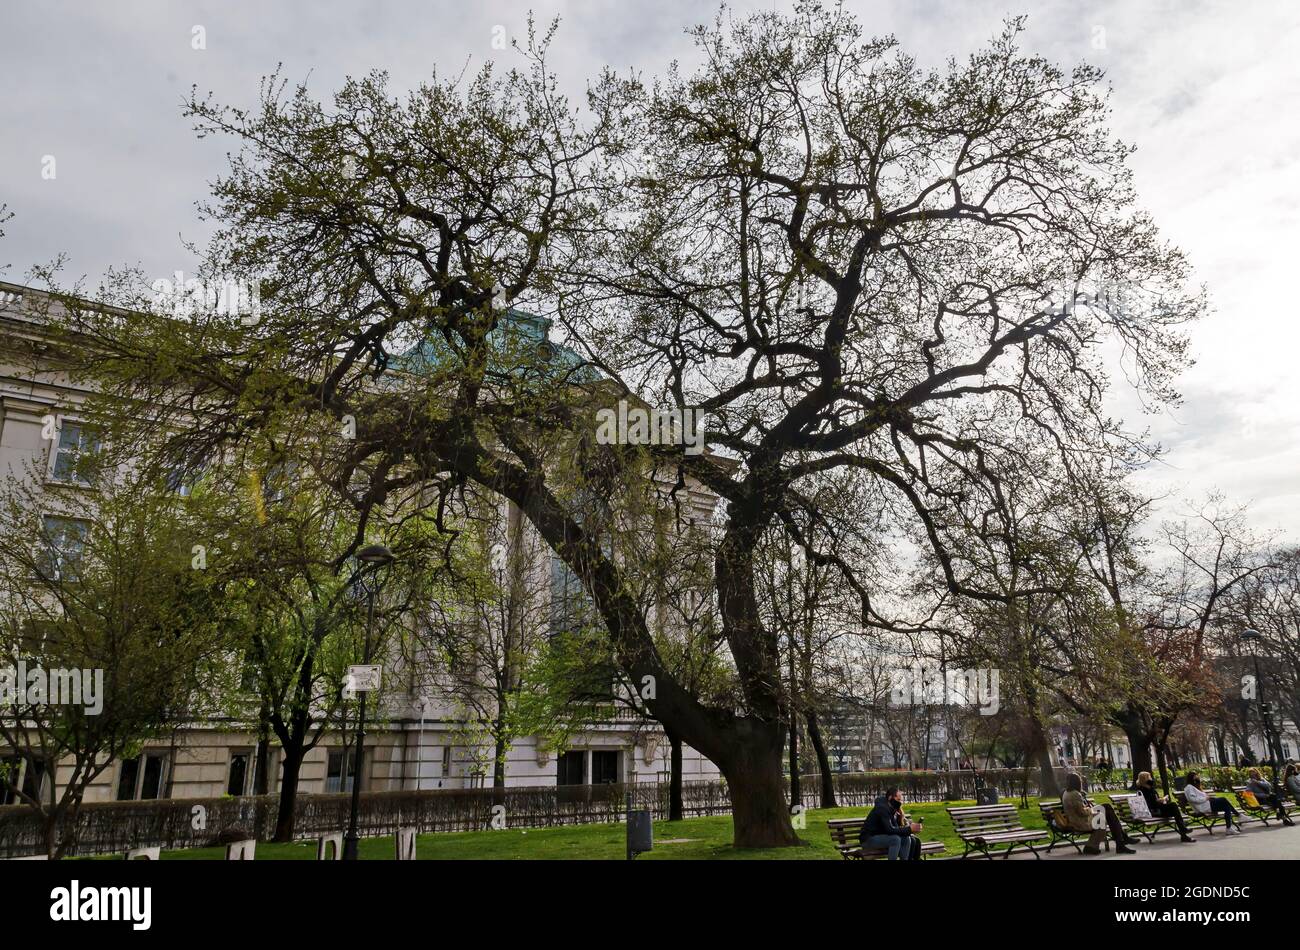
point(1147, 827)
point(846, 833)
point(983, 827)
point(1261, 812)
point(1194, 817)
point(1053, 813)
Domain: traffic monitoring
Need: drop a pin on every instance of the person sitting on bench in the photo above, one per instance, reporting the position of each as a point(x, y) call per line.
point(1160, 808)
point(883, 828)
point(1267, 796)
point(1292, 780)
point(1204, 804)
point(1078, 817)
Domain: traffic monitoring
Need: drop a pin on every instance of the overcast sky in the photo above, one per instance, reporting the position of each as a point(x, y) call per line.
point(1205, 90)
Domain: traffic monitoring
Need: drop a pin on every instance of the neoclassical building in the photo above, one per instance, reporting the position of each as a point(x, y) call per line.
point(419, 742)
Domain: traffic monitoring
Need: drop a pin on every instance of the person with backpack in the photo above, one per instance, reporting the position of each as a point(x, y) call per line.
point(1078, 816)
point(1267, 796)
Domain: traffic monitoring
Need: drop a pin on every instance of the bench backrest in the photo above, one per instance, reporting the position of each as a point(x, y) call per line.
point(1124, 808)
point(1053, 813)
point(977, 818)
point(845, 832)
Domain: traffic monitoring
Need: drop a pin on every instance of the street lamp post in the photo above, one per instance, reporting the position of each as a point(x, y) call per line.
point(1253, 638)
point(375, 557)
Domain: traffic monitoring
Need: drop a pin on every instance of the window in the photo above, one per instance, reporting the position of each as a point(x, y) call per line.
point(142, 778)
point(237, 776)
point(18, 772)
point(571, 768)
point(334, 778)
point(128, 774)
point(182, 478)
point(446, 761)
point(65, 544)
point(33, 635)
point(272, 770)
point(278, 482)
point(604, 767)
point(75, 446)
point(151, 778)
point(571, 605)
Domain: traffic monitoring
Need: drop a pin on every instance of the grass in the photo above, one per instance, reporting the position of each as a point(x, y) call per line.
point(693, 839)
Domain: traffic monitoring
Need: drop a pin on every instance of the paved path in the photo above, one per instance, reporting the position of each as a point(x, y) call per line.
point(1274, 843)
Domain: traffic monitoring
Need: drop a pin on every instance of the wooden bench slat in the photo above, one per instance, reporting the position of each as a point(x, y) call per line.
point(983, 826)
point(846, 835)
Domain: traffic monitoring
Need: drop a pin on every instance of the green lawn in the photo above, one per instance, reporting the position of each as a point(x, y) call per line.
point(692, 839)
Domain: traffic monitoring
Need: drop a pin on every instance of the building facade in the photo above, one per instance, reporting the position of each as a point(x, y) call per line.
point(416, 742)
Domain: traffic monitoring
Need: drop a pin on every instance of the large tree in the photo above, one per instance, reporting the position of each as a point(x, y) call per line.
point(843, 262)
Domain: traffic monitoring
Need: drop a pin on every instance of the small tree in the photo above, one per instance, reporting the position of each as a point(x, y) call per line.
point(101, 585)
point(284, 549)
point(479, 643)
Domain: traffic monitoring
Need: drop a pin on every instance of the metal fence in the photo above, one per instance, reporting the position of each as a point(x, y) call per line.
point(109, 827)
point(863, 788)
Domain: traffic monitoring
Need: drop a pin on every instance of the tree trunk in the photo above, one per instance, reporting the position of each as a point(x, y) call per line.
point(1041, 754)
point(1139, 746)
point(261, 763)
point(262, 757)
point(796, 793)
point(67, 818)
point(1046, 772)
point(675, 808)
point(752, 766)
point(1136, 729)
point(1161, 762)
point(284, 821)
point(823, 762)
point(499, 766)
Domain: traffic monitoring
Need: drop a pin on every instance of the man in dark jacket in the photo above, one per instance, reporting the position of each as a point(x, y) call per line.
point(883, 829)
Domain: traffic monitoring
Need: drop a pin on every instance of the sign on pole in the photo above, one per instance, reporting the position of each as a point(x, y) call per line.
point(362, 679)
